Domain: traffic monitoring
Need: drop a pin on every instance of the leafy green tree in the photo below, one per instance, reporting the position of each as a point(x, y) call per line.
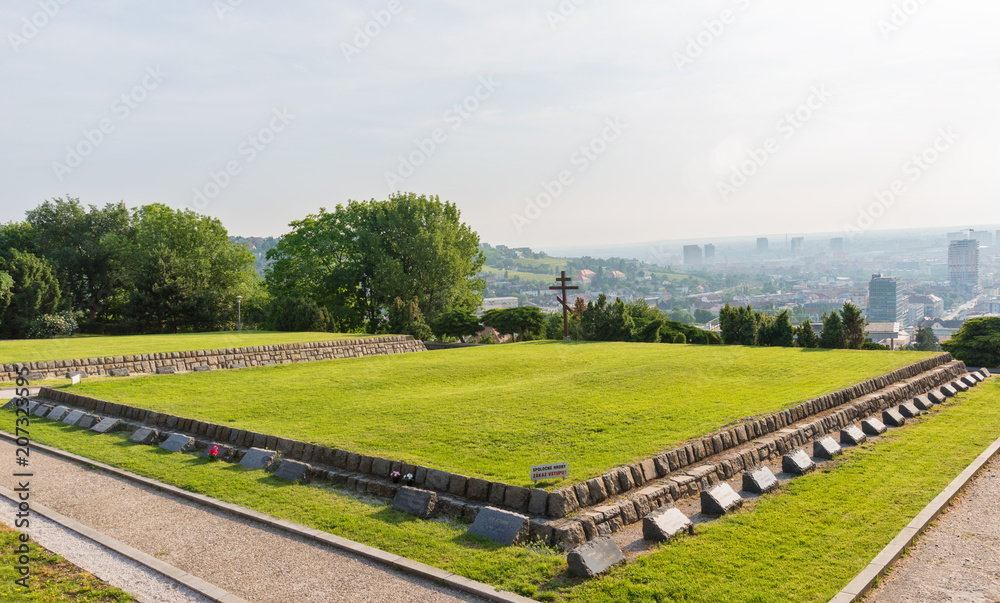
point(703, 316)
point(832, 336)
point(524, 323)
point(977, 343)
point(405, 318)
point(806, 336)
point(356, 260)
point(6, 291)
point(776, 330)
point(295, 314)
point(459, 323)
point(854, 326)
point(32, 291)
point(650, 332)
point(680, 338)
point(927, 341)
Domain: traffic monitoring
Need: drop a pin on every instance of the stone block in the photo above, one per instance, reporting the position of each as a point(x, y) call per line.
point(562, 502)
point(237, 365)
point(144, 435)
point(595, 557)
point(852, 434)
point(293, 471)
point(457, 484)
point(538, 501)
point(166, 370)
point(73, 416)
point(826, 448)
point(720, 499)
point(437, 480)
point(178, 442)
point(936, 396)
point(258, 458)
point(873, 427)
point(969, 380)
point(910, 410)
point(759, 480)
point(597, 493)
point(497, 490)
point(797, 462)
point(959, 385)
point(665, 523)
point(381, 467)
point(500, 526)
point(892, 418)
point(87, 421)
point(202, 368)
point(415, 502)
point(41, 410)
point(58, 413)
point(948, 391)
point(923, 403)
point(478, 489)
point(119, 372)
point(516, 498)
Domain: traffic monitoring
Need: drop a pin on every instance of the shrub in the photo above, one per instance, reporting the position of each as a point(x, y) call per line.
point(48, 326)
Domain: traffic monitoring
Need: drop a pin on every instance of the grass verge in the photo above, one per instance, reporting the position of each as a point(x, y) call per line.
point(52, 580)
point(494, 411)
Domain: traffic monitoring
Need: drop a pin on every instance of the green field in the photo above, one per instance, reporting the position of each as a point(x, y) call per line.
point(494, 411)
point(802, 543)
point(83, 346)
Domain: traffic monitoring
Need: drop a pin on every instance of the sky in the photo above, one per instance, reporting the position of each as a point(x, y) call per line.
point(547, 122)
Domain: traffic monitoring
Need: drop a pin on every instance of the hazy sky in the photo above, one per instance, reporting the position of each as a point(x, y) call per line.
point(620, 121)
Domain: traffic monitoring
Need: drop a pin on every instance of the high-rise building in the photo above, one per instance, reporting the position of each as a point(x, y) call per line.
point(692, 255)
point(837, 244)
point(984, 237)
point(957, 236)
point(963, 264)
point(885, 304)
point(709, 253)
point(797, 244)
point(762, 245)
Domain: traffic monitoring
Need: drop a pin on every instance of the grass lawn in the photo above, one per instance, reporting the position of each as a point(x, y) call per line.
point(494, 411)
point(87, 346)
point(802, 543)
point(52, 580)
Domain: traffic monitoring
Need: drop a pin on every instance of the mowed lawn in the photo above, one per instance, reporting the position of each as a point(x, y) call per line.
point(494, 411)
point(83, 346)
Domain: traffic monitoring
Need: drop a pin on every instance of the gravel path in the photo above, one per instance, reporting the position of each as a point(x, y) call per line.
point(245, 558)
point(116, 570)
point(959, 558)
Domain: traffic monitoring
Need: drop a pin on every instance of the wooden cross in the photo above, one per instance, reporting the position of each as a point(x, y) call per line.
point(562, 286)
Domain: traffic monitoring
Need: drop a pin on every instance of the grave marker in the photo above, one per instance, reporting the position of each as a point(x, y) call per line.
point(759, 480)
point(12, 403)
point(968, 380)
point(237, 365)
point(720, 499)
point(72, 417)
point(41, 410)
point(505, 527)
point(166, 370)
point(948, 391)
point(923, 402)
point(959, 386)
point(202, 368)
point(58, 413)
point(892, 418)
point(826, 448)
point(564, 287)
point(909, 410)
point(75, 379)
point(34, 377)
point(293, 471)
point(665, 523)
point(144, 435)
point(415, 502)
point(258, 458)
point(107, 425)
point(177, 442)
point(87, 421)
point(936, 397)
point(78, 374)
point(873, 427)
point(594, 557)
point(852, 434)
point(119, 372)
point(797, 462)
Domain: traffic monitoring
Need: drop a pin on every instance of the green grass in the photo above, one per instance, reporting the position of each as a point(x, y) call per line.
point(52, 580)
point(440, 543)
point(71, 348)
point(494, 411)
point(809, 540)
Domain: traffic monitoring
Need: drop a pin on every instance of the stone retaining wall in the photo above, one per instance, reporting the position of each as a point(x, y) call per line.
point(222, 358)
point(367, 473)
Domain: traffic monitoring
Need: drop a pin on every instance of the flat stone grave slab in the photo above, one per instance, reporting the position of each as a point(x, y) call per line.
point(80, 374)
point(58, 413)
point(237, 365)
point(177, 442)
point(873, 427)
point(202, 368)
point(892, 418)
point(144, 435)
point(976, 376)
point(595, 557)
point(11, 403)
point(107, 425)
point(122, 372)
point(73, 416)
point(969, 380)
point(759, 480)
point(910, 410)
point(34, 377)
point(293, 471)
point(87, 421)
point(826, 448)
point(224, 452)
point(923, 402)
point(664, 523)
point(505, 527)
point(720, 499)
point(852, 434)
point(936, 396)
point(797, 462)
point(166, 370)
point(32, 405)
point(415, 501)
point(41, 410)
point(959, 386)
point(948, 391)
point(258, 458)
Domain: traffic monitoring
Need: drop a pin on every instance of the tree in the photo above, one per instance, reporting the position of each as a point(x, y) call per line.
point(806, 335)
point(927, 341)
point(458, 323)
point(405, 318)
point(32, 291)
point(356, 260)
point(525, 322)
point(832, 336)
point(703, 316)
point(854, 326)
point(776, 330)
point(977, 343)
point(6, 292)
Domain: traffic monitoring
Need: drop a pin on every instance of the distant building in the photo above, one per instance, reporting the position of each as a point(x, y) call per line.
point(886, 333)
point(797, 244)
point(497, 303)
point(984, 237)
point(692, 255)
point(933, 305)
point(762, 246)
point(885, 303)
point(585, 275)
point(939, 271)
point(837, 244)
point(616, 274)
point(963, 264)
point(956, 236)
point(943, 329)
point(709, 253)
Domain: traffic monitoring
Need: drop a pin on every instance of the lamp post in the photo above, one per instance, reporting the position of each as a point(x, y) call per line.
point(239, 312)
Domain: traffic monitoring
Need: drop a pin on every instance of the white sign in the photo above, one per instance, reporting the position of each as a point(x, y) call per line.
point(75, 379)
point(550, 471)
